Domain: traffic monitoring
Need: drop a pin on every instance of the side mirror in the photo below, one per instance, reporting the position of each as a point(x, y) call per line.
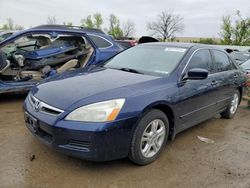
point(196, 74)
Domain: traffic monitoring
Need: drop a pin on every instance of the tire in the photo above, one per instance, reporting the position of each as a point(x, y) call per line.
point(232, 107)
point(149, 138)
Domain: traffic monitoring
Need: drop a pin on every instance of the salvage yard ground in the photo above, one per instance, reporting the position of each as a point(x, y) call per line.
point(186, 162)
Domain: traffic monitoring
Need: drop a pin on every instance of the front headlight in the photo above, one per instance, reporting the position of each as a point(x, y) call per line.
point(97, 112)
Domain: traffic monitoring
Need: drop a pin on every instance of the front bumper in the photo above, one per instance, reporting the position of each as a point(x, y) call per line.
point(91, 141)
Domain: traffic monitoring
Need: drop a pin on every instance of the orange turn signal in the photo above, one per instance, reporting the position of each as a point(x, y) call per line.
point(113, 114)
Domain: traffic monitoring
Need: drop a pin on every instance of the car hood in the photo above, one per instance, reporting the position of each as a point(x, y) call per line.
point(65, 90)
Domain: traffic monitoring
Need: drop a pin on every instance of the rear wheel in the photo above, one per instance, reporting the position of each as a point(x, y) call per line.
point(232, 107)
point(149, 137)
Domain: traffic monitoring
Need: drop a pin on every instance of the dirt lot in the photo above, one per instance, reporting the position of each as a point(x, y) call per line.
point(186, 162)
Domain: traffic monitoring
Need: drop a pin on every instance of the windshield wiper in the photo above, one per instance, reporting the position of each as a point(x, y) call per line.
point(125, 69)
point(131, 70)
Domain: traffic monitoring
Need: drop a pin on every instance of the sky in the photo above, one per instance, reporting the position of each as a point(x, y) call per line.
point(202, 18)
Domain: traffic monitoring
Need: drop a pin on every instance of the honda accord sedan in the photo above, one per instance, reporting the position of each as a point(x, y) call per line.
point(134, 103)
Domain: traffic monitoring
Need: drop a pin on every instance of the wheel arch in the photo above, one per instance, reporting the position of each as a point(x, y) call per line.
point(241, 92)
point(167, 110)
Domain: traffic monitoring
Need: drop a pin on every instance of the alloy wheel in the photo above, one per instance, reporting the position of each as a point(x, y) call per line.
point(153, 138)
point(234, 103)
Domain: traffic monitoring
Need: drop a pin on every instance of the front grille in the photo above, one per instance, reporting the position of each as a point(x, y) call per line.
point(50, 111)
point(43, 107)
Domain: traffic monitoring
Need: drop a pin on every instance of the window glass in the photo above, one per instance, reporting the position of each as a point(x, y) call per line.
point(221, 61)
point(100, 42)
point(4, 36)
point(233, 66)
point(201, 59)
point(149, 59)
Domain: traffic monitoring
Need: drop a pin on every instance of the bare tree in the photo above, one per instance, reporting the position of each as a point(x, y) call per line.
point(19, 27)
point(10, 24)
point(128, 29)
point(51, 20)
point(68, 23)
point(166, 25)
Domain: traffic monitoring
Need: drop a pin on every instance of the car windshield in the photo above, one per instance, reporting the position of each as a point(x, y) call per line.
point(155, 60)
point(246, 65)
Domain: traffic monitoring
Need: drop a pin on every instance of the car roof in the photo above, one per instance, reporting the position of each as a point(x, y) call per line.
point(7, 31)
point(176, 44)
point(181, 45)
point(67, 28)
point(57, 28)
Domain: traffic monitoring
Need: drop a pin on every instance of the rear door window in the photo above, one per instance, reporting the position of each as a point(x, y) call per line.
point(100, 42)
point(222, 61)
point(201, 59)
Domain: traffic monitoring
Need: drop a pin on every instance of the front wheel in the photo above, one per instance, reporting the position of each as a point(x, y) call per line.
point(149, 137)
point(232, 107)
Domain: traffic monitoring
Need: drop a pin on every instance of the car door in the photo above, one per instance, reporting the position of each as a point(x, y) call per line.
point(105, 48)
point(197, 97)
point(226, 78)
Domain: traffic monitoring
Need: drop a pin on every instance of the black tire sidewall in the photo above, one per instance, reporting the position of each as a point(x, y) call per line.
point(227, 113)
point(135, 150)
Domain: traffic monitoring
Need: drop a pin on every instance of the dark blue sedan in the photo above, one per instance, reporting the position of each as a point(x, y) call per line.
point(132, 104)
point(28, 56)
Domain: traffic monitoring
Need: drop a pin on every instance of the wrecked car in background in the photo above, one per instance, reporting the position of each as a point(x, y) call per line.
point(126, 43)
point(130, 42)
point(31, 55)
point(5, 34)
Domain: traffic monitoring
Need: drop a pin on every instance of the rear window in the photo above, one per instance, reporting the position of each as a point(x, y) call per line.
point(100, 42)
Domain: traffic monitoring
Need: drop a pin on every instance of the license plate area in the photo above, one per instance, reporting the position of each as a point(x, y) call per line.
point(31, 122)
